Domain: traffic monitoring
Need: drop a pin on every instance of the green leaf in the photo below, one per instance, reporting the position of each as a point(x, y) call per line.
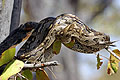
point(12, 68)
point(27, 74)
point(70, 44)
point(98, 61)
point(7, 56)
point(41, 75)
point(113, 64)
point(56, 47)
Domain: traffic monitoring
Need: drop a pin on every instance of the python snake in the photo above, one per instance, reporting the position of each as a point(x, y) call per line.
point(67, 29)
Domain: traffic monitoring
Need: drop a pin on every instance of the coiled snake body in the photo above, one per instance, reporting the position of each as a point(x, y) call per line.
point(50, 32)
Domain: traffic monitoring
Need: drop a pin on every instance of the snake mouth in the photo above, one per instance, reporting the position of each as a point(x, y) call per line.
point(84, 48)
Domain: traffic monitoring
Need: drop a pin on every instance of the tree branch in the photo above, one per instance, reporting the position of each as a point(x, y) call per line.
point(41, 65)
point(113, 54)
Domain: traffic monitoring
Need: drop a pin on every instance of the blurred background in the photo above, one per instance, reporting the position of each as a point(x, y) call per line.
point(101, 15)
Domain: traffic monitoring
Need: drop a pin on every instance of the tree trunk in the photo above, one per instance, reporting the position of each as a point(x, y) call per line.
point(15, 17)
point(5, 17)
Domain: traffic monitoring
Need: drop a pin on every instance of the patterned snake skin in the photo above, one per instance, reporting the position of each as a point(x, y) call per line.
point(66, 28)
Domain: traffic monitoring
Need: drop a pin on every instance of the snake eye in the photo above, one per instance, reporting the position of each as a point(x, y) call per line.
point(96, 39)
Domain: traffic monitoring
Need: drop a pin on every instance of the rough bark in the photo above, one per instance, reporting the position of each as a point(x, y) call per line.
point(5, 17)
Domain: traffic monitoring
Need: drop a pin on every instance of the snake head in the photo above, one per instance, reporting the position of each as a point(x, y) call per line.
point(77, 36)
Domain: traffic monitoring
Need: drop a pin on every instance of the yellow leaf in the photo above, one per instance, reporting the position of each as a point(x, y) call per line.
point(12, 68)
point(109, 69)
point(117, 52)
point(7, 56)
point(113, 64)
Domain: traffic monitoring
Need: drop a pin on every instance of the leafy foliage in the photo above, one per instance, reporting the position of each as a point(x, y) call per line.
point(15, 66)
point(113, 63)
point(12, 68)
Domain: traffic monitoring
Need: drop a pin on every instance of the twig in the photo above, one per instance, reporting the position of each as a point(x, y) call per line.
point(22, 76)
point(113, 54)
point(41, 65)
point(102, 56)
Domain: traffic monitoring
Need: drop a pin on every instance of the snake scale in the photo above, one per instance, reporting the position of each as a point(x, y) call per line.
point(66, 29)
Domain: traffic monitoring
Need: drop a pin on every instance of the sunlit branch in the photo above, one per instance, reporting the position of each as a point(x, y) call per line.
point(113, 54)
point(41, 65)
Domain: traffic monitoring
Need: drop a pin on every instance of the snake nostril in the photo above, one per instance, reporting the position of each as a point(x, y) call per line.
point(102, 40)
